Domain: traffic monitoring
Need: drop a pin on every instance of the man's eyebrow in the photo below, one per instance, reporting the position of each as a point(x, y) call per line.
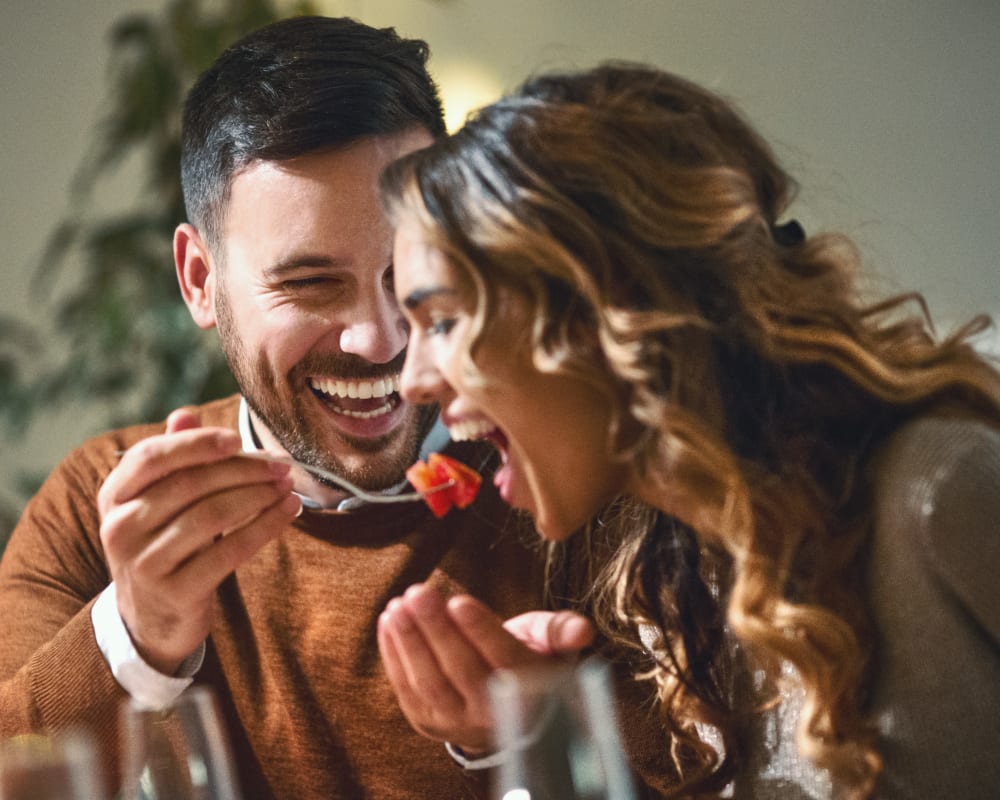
point(297, 262)
point(417, 296)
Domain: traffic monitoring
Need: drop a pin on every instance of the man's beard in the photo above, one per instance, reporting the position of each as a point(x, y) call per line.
point(385, 458)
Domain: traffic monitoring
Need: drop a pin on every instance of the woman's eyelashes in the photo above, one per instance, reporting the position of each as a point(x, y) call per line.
point(441, 325)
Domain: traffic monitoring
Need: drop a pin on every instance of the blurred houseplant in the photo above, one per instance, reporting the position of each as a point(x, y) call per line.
point(119, 338)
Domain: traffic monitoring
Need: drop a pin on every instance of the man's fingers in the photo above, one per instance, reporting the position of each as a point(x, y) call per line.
point(165, 599)
point(182, 419)
point(222, 555)
point(225, 512)
point(152, 459)
point(199, 501)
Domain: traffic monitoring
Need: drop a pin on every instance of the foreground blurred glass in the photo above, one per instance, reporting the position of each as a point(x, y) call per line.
point(559, 729)
point(177, 753)
point(64, 767)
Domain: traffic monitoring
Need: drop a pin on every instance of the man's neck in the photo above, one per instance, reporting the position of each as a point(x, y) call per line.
point(256, 435)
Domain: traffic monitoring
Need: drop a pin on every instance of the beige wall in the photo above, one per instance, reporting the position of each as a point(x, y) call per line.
point(887, 111)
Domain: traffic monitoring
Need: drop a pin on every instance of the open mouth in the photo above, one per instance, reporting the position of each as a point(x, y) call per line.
point(468, 430)
point(358, 398)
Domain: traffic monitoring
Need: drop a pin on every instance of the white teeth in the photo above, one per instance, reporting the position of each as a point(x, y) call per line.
point(469, 429)
point(378, 412)
point(362, 390)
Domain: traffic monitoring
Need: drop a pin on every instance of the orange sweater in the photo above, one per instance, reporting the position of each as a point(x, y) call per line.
point(292, 657)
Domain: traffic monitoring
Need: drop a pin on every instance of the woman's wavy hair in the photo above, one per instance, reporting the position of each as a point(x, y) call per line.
point(641, 217)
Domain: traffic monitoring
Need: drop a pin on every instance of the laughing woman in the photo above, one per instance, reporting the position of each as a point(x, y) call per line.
point(801, 489)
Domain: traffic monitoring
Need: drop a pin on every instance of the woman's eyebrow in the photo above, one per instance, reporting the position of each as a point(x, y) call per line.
point(418, 296)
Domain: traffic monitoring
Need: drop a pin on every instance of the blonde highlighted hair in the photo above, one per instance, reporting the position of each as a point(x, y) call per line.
point(641, 217)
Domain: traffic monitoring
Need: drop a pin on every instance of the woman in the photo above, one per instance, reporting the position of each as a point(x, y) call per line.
point(799, 489)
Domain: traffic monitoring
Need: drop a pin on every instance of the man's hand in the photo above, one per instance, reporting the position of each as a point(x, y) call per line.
point(438, 656)
point(178, 514)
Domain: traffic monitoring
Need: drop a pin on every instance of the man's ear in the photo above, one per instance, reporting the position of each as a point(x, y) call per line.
point(195, 274)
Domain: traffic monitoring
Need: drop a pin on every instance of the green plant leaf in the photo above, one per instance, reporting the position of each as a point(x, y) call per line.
point(111, 330)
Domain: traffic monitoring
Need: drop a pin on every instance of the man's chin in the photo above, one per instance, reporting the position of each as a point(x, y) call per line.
point(371, 462)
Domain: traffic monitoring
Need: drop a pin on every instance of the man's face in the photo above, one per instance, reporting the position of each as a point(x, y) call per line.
point(307, 315)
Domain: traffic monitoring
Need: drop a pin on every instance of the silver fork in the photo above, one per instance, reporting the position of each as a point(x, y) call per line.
point(333, 477)
point(343, 483)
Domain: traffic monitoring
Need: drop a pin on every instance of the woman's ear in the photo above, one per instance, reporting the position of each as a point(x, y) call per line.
point(195, 274)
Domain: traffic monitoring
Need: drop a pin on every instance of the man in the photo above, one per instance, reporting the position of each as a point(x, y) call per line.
point(156, 556)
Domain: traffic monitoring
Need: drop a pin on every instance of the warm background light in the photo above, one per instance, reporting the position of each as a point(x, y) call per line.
point(888, 112)
point(465, 86)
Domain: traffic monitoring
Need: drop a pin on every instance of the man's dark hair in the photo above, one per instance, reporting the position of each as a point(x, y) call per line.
point(295, 87)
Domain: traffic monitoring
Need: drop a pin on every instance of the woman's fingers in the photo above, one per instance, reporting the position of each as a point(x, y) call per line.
point(421, 664)
point(458, 655)
point(552, 632)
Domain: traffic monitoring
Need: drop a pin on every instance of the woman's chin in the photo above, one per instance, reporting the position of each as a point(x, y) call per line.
point(552, 528)
point(550, 522)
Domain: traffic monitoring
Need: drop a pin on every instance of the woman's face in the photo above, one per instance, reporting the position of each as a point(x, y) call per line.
point(551, 430)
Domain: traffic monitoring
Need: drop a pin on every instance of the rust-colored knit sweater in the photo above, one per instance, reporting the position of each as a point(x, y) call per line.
point(292, 657)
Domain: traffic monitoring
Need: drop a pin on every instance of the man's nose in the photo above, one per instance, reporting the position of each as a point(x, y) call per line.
point(377, 332)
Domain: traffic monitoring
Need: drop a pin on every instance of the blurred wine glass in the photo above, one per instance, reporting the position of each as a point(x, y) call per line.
point(177, 753)
point(63, 767)
point(559, 732)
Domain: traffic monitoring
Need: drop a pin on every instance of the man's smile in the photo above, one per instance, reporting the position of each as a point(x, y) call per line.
point(358, 398)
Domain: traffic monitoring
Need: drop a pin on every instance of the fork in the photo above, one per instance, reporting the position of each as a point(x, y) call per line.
point(333, 477)
point(343, 483)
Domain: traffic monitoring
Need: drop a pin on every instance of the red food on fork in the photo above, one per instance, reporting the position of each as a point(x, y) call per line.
point(424, 479)
point(440, 470)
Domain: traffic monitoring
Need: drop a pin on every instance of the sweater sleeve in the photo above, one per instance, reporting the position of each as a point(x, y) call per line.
point(53, 676)
point(936, 605)
point(962, 530)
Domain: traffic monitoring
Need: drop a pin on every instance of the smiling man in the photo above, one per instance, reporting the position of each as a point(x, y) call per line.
point(180, 561)
point(302, 294)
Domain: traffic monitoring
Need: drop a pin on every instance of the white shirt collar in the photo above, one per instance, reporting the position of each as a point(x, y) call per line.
point(435, 440)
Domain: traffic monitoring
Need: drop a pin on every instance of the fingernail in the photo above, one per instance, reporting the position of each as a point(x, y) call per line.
point(227, 442)
point(426, 604)
point(292, 505)
point(402, 621)
point(278, 468)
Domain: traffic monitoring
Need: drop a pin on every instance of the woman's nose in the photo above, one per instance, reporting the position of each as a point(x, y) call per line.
point(420, 382)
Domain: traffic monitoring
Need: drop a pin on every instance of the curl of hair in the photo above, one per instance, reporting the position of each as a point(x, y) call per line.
point(749, 382)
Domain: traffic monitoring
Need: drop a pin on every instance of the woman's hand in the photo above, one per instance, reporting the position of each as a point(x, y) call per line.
point(438, 656)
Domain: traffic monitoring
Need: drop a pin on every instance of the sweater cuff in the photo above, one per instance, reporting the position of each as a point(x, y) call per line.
point(147, 686)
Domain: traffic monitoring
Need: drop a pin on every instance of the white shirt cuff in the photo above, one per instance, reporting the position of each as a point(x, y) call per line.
point(147, 686)
point(485, 762)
